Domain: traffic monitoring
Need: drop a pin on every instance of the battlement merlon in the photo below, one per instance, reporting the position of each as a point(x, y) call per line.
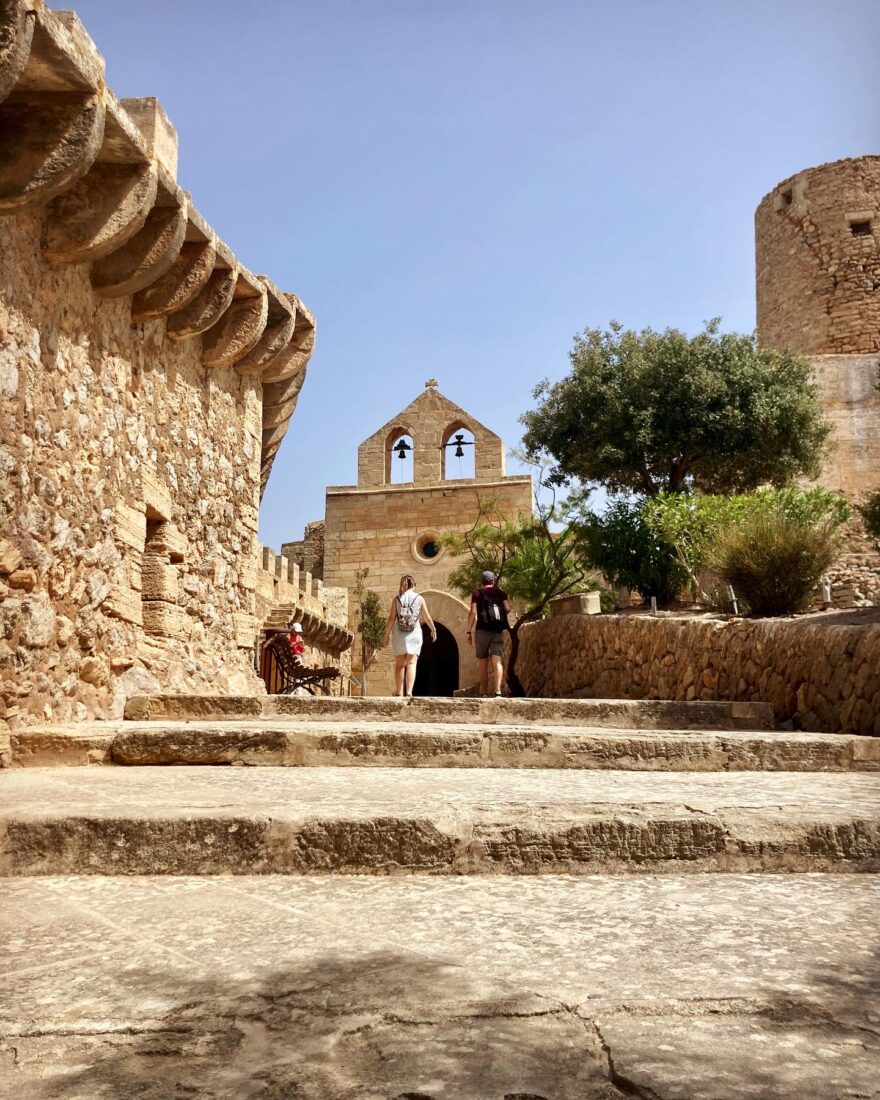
point(102, 172)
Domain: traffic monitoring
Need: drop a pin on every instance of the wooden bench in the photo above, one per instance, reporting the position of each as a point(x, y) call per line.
point(294, 675)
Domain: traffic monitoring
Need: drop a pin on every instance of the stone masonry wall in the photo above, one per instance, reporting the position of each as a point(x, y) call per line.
point(147, 379)
point(817, 244)
point(112, 436)
point(308, 552)
point(284, 592)
point(817, 675)
point(818, 261)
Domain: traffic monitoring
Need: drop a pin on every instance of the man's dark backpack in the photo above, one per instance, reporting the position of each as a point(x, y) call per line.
point(490, 613)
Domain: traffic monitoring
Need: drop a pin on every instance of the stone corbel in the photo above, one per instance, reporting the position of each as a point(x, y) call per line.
point(185, 279)
point(110, 203)
point(52, 114)
point(278, 332)
point(17, 22)
point(207, 307)
point(295, 356)
point(151, 251)
point(241, 326)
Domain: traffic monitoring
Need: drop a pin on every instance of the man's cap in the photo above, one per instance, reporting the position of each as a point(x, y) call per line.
point(488, 577)
point(297, 628)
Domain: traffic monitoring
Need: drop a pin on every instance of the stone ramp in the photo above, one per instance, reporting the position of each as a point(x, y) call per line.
point(725, 987)
point(147, 820)
point(595, 713)
point(293, 742)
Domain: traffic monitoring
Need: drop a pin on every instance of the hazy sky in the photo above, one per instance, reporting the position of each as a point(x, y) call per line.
point(456, 187)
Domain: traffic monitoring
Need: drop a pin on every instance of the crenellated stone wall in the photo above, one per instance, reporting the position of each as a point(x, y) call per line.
point(146, 382)
point(818, 675)
point(284, 592)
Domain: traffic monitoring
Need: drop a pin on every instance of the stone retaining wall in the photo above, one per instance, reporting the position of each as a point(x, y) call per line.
point(819, 676)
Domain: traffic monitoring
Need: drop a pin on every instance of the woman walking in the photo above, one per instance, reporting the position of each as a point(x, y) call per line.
point(408, 610)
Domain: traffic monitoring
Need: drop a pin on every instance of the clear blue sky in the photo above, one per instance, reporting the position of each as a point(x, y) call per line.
point(456, 187)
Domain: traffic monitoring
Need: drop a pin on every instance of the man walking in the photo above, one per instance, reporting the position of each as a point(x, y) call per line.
point(488, 614)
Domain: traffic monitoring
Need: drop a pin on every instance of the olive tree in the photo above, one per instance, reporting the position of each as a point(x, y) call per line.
point(649, 412)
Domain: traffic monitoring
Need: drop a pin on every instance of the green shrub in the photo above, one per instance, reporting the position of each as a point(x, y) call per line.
point(623, 547)
point(871, 515)
point(692, 524)
point(774, 562)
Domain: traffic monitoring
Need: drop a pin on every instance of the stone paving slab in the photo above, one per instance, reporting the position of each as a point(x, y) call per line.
point(190, 820)
point(630, 713)
point(295, 743)
point(710, 988)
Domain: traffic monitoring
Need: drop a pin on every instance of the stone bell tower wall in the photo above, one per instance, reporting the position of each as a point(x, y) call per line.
point(817, 240)
point(430, 421)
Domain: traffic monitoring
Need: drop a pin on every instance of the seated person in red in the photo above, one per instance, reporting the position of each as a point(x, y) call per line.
point(295, 638)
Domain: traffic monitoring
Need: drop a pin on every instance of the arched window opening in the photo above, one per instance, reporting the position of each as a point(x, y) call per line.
point(459, 454)
point(399, 460)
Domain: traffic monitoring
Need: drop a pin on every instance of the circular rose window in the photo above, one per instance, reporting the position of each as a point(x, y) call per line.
point(426, 547)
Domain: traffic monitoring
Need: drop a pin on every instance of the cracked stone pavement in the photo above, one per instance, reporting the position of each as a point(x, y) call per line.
point(708, 988)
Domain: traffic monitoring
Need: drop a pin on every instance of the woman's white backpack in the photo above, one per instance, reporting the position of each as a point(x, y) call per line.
point(408, 614)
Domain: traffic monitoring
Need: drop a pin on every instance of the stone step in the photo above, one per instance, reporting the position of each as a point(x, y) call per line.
point(145, 820)
point(620, 713)
point(292, 742)
point(702, 987)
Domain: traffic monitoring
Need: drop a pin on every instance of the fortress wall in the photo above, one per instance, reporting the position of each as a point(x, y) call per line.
point(110, 432)
point(817, 238)
point(147, 379)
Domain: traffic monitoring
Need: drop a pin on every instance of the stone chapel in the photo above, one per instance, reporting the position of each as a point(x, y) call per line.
point(421, 474)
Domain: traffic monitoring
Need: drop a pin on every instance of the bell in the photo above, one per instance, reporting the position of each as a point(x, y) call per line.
point(401, 448)
point(459, 451)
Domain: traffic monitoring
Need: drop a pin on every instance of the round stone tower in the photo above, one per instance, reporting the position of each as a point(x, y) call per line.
point(818, 260)
point(817, 237)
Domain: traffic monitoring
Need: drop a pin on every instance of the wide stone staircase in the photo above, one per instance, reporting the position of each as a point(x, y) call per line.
point(499, 899)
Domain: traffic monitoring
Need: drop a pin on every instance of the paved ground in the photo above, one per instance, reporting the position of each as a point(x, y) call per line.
point(361, 988)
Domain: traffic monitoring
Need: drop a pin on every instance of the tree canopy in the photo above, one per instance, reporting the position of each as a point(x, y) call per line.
point(647, 412)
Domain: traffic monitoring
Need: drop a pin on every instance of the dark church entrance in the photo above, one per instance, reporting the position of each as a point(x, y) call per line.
point(437, 668)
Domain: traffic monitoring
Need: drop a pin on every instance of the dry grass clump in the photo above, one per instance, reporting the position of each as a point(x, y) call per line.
point(773, 562)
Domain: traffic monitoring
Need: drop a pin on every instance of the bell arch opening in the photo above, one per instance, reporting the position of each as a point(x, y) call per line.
point(459, 453)
point(399, 451)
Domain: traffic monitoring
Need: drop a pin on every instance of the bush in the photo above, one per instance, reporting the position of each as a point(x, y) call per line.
point(774, 562)
point(621, 545)
point(871, 515)
point(692, 524)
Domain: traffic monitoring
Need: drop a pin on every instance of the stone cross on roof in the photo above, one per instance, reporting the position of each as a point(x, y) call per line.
point(431, 384)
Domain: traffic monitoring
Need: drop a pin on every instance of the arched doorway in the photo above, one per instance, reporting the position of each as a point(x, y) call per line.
point(437, 668)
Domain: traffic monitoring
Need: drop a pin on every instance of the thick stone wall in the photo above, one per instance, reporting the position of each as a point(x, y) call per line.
point(147, 379)
point(818, 263)
point(113, 436)
point(818, 294)
point(817, 675)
